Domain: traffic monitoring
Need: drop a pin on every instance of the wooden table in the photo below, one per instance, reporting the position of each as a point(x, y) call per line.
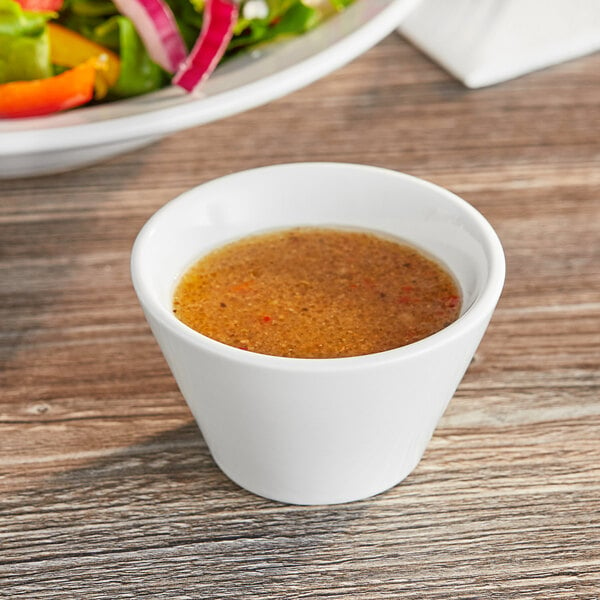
point(107, 488)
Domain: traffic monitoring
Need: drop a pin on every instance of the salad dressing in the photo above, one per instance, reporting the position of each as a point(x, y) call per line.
point(317, 293)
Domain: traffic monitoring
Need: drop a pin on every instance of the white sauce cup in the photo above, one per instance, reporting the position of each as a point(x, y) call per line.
point(318, 431)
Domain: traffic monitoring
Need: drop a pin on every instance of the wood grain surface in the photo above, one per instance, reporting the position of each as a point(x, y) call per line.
point(107, 490)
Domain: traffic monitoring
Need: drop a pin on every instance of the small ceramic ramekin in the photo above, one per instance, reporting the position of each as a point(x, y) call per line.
point(318, 431)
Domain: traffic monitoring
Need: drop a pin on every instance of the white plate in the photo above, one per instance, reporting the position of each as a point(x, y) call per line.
point(79, 137)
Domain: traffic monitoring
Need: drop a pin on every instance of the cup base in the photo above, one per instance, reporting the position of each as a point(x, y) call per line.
point(317, 497)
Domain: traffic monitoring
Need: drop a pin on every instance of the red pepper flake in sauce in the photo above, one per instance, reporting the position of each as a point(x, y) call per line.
point(240, 288)
point(335, 293)
point(452, 301)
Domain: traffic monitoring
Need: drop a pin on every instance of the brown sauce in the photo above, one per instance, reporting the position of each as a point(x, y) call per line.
point(316, 293)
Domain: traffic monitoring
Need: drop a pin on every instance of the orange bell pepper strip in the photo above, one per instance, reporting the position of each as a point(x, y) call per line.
point(69, 49)
point(44, 96)
point(41, 5)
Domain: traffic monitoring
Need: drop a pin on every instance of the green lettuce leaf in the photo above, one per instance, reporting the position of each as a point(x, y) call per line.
point(139, 74)
point(340, 5)
point(188, 14)
point(91, 8)
point(86, 16)
point(24, 44)
point(285, 18)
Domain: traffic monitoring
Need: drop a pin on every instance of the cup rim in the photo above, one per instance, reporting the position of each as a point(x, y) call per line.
point(480, 309)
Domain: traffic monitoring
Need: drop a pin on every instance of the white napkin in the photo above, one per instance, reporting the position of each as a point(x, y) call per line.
point(482, 42)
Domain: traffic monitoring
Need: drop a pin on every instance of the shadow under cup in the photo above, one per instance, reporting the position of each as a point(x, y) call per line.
point(318, 431)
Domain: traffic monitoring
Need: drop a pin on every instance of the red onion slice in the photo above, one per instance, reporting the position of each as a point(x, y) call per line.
point(217, 28)
point(157, 27)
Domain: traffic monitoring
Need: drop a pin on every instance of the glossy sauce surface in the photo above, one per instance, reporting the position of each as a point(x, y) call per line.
point(317, 293)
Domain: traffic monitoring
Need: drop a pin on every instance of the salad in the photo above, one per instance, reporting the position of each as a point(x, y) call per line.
point(61, 54)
